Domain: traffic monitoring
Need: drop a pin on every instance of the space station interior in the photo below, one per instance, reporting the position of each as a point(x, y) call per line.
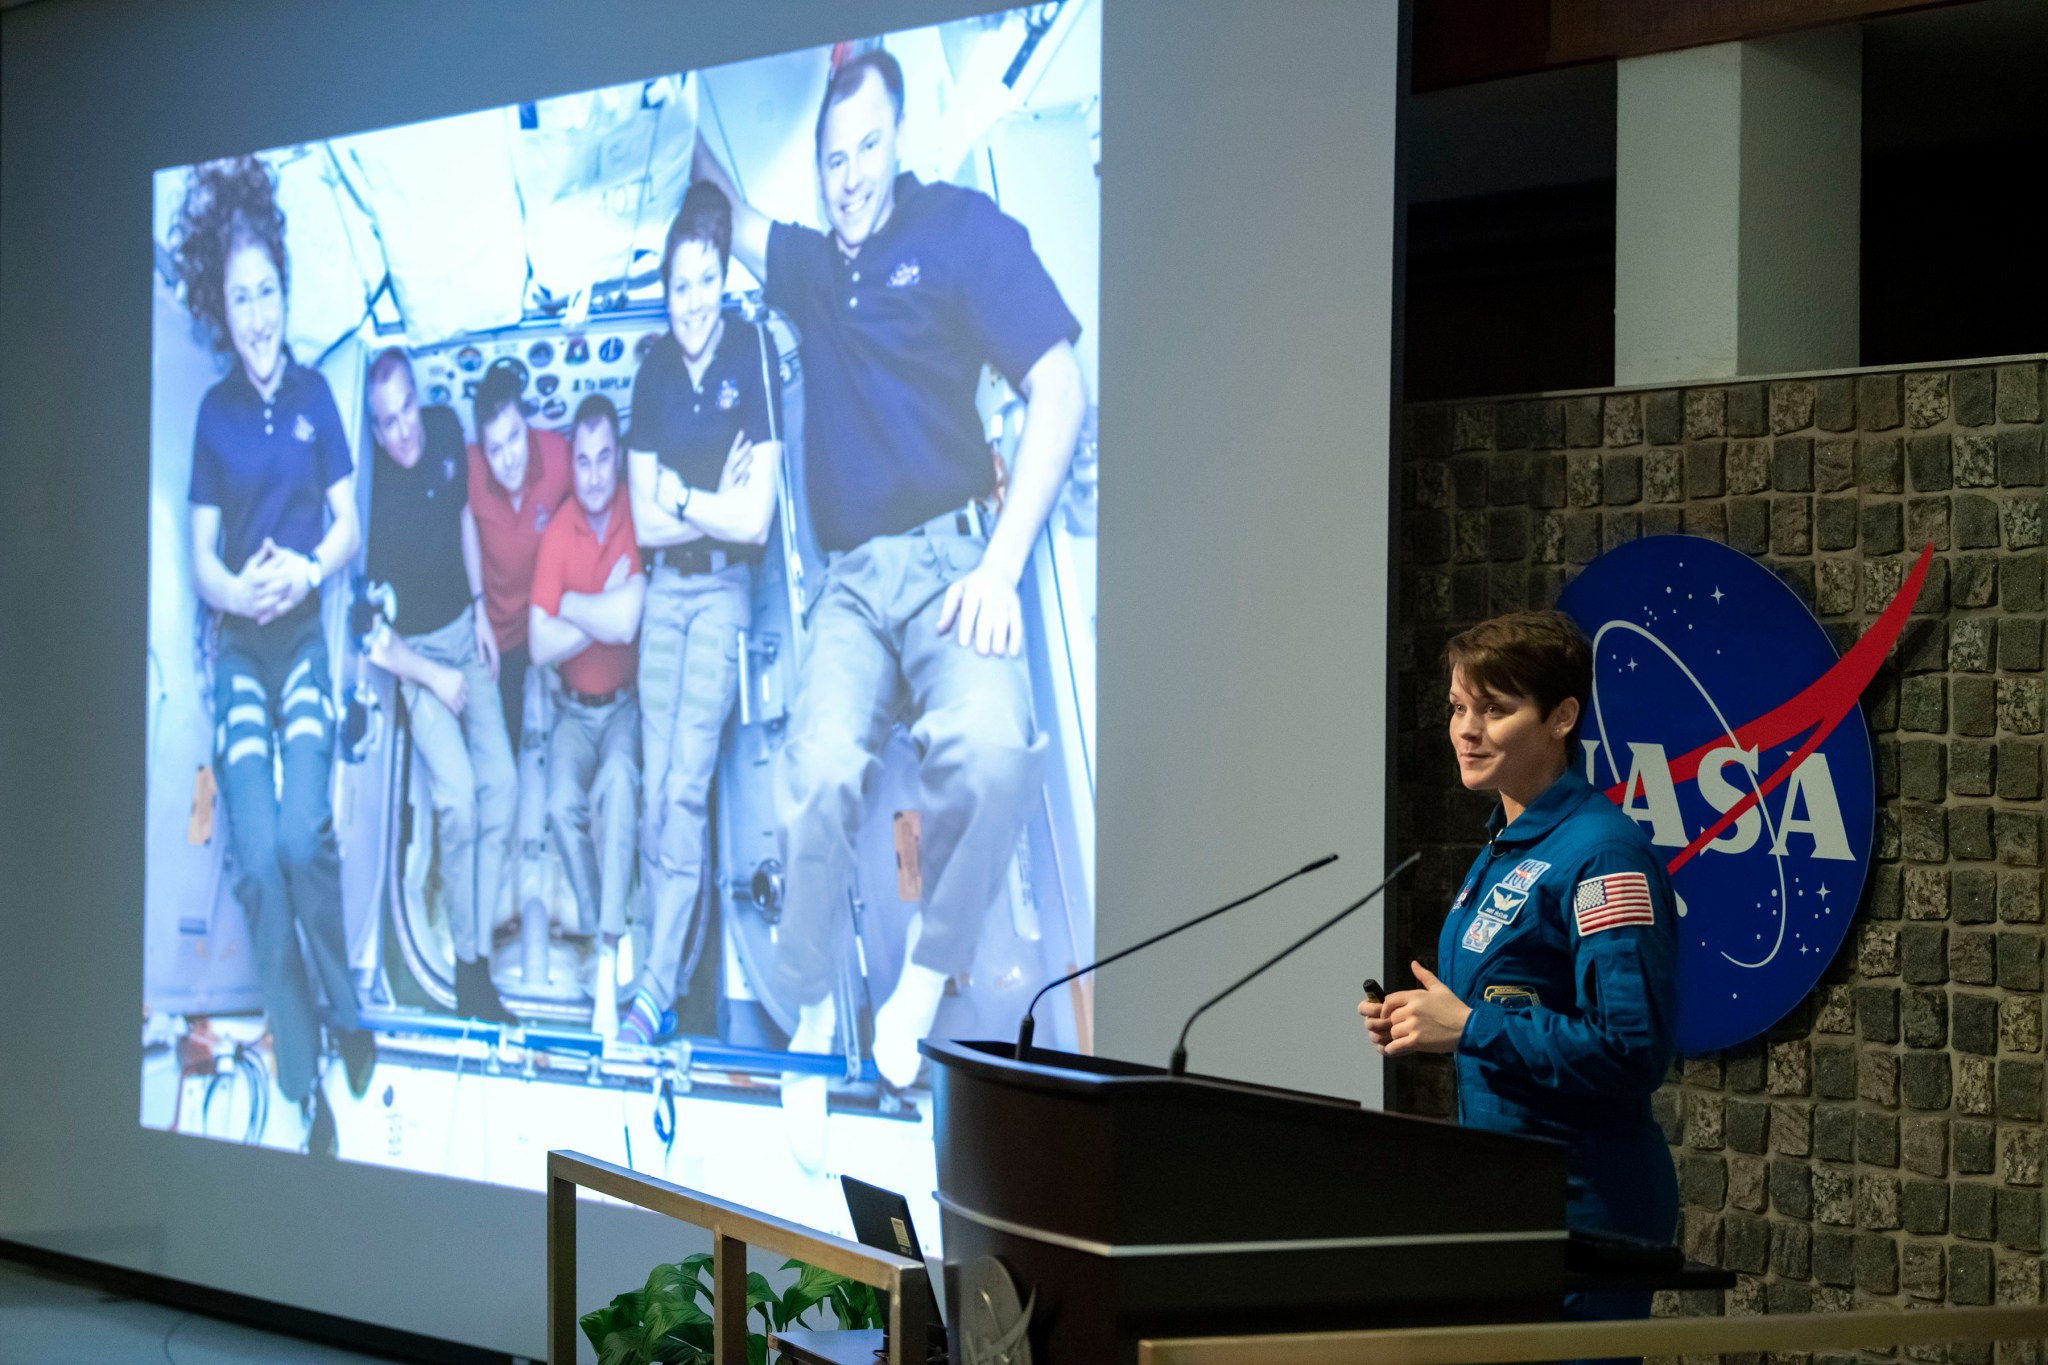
point(529, 237)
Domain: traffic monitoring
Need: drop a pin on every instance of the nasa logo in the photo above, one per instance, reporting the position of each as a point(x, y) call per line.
point(1525, 874)
point(728, 395)
point(1722, 722)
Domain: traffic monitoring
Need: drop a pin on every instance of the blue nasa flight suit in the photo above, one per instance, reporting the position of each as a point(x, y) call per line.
point(1571, 979)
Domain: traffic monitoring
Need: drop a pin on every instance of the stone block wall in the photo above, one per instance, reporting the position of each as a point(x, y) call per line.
point(1883, 1145)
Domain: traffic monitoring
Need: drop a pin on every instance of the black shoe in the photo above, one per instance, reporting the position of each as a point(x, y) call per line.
point(358, 1049)
point(321, 1139)
point(476, 995)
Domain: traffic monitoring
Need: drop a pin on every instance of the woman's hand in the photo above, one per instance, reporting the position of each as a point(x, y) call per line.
point(1377, 1025)
point(263, 590)
point(1429, 1020)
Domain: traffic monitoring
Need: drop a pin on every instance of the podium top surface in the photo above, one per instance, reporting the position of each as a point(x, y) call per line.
point(1079, 1074)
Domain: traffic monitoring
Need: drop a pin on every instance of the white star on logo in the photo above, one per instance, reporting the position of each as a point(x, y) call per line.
point(1631, 665)
point(1717, 594)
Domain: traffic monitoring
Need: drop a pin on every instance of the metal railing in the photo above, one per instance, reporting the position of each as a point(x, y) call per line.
point(1529, 1341)
point(733, 1228)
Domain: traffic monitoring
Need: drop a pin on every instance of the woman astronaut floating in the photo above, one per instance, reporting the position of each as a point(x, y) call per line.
point(702, 469)
point(273, 517)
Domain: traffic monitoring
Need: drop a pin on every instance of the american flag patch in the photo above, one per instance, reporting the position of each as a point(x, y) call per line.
point(1612, 901)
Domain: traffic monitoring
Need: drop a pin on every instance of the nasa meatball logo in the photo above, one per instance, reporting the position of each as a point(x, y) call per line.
point(1723, 722)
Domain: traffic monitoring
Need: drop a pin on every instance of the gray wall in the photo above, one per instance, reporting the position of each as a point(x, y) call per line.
point(1247, 263)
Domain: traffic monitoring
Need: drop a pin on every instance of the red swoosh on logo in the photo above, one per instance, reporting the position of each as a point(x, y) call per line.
point(1821, 705)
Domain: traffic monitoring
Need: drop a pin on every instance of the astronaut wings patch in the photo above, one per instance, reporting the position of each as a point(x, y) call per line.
point(1613, 902)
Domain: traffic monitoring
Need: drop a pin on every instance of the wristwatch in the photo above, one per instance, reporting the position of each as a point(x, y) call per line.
point(313, 574)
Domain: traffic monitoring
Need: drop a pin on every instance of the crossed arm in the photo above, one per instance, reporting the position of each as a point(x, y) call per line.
point(738, 511)
point(609, 617)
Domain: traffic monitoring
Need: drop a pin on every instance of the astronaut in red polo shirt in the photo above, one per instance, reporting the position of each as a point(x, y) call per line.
point(584, 619)
point(518, 479)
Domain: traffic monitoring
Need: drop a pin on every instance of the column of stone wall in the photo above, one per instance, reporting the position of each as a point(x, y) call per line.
point(1884, 1144)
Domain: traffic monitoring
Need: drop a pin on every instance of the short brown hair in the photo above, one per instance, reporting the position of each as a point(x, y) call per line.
point(706, 216)
point(1538, 654)
point(849, 76)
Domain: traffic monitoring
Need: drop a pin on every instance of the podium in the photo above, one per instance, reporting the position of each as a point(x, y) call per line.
point(1126, 1203)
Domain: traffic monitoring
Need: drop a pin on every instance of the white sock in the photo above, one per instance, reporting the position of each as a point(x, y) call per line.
point(604, 1014)
point(804, 1096)
point(905, 1020)
point(815, 1025)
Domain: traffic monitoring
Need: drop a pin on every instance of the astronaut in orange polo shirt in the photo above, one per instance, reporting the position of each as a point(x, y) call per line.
point(588, 592)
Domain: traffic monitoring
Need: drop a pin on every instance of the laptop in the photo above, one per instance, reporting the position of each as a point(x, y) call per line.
point(881, 1219)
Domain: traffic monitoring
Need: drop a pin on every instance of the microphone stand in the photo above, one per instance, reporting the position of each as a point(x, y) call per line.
point(1179, 1065)
point(1027, 1026)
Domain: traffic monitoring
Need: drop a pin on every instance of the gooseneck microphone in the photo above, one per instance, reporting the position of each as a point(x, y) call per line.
point(1027, 1025)
point(1179, 1065)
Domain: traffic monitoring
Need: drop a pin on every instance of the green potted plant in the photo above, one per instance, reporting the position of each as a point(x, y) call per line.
point(667, 1321)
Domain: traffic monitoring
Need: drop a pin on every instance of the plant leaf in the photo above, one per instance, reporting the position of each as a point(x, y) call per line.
point(623, 1348)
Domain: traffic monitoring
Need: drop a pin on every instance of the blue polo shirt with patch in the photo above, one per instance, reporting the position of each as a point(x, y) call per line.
point(689, 427)
point(267, 465)
point(894, 340)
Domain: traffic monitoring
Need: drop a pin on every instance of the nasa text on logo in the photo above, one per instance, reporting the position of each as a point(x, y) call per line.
point(1724, 723)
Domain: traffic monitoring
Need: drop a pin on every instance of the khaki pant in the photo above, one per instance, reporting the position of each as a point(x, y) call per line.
point(689, 679)
point(472, 780)
point(593, 806)
point(875, 656)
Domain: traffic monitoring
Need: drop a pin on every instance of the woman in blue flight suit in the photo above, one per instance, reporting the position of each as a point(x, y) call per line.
point(1557, 995)
point(273, 516)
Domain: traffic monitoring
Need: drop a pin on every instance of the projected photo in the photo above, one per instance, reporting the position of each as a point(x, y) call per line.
point(622, 616)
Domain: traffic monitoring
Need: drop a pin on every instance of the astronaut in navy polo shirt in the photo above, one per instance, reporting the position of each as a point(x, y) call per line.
point(702, 463)
point(273, 516)
point(1555, 987)
point(900, 305)
point(435, 648)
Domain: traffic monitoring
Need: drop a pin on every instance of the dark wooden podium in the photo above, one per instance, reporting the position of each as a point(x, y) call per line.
point(1126, 1203)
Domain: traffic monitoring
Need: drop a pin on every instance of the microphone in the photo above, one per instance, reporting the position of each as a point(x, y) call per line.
point(1179, 1065)
point(1027, 1025)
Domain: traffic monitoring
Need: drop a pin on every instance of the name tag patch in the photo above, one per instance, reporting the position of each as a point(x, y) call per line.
point(1505, 994)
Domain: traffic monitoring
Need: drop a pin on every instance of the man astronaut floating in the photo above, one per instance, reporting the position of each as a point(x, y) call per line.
point(900, 305)
point(527, 618)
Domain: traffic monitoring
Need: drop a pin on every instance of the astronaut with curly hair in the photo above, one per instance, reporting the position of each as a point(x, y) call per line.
point(273, 517)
